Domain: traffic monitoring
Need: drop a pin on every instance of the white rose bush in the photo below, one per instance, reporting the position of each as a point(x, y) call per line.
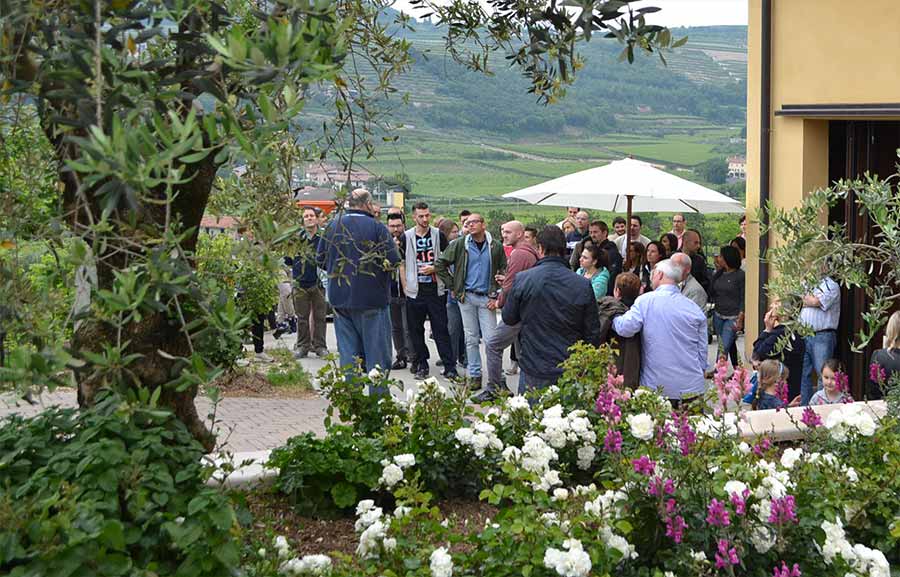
point(591, 479)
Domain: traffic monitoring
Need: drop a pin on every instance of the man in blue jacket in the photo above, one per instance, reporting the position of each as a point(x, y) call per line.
point(556, 308)
point(308, 295)
point(359, 255)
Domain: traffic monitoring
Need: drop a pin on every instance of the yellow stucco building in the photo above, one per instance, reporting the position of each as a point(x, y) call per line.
point(823, 103)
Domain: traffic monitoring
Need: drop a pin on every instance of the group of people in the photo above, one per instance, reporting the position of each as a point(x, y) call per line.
point(537, 292)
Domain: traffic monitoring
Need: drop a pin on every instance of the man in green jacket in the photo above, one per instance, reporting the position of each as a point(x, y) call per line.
point(469, 268)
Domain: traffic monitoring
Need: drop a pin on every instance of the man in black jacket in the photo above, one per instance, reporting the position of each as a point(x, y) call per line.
point(556, 308)
point(599, 235)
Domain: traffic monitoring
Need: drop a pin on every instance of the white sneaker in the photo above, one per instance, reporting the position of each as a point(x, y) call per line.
point(264, 358)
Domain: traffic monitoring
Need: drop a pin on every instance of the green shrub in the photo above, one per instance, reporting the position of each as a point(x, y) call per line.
point(118, 489)
point(244, 285)
point(325, 476)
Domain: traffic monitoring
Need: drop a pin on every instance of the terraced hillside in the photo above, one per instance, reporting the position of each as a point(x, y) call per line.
point(702, 86)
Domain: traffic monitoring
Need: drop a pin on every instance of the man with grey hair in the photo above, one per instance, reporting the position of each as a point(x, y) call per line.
point(668, 321)
point(359, 254)
point(689, 285)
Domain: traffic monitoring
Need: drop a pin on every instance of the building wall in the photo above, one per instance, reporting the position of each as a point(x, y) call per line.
point(822, 53)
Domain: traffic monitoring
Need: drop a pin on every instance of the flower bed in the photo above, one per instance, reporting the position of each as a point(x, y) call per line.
point(594, 480)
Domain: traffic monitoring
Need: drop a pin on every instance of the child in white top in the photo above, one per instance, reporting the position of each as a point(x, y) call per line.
point(832, 391)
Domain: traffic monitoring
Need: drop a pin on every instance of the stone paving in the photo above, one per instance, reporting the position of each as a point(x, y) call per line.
point(247, 424)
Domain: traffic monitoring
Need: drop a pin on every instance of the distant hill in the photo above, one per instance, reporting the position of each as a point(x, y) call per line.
point(705, 79)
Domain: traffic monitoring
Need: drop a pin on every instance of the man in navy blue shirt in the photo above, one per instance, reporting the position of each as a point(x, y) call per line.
point(359, 256)
point(308, 295)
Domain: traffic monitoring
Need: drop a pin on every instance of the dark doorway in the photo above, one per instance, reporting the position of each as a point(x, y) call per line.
point(854, 148)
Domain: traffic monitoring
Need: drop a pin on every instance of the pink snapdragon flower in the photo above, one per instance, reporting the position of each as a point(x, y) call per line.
point(785, 571)
point(685, 434)
point(760, 448)
point(612, 442)
point(782, 390)
point(877, 374)
point(659, 486)
point(644, 465)
point(717, 514)
point(726, 555)
point(662, 431)
point(811, 418)
point(732, 389)
point(739, 502)
point(675, 527)
point(842, 381)
point(783, 510)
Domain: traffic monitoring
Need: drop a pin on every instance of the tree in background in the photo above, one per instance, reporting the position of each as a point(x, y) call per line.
point(713, 171)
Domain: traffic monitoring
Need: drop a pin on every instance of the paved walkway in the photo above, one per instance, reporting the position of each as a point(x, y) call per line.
point(246, 424)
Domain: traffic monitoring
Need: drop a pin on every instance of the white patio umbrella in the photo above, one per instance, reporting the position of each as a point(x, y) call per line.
point(630, 185)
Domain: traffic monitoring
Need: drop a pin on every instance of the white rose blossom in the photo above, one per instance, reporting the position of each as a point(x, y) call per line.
point(641, 426)
point(619, 543)
point(560, 494)
point(573, 561)
point(735, 488)
point(313, 565)
point(441, 563)
point(405, 461)
point(390, 475)
point(790, 457)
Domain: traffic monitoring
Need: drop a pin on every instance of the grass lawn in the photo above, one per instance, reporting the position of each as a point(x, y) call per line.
point(678, 152)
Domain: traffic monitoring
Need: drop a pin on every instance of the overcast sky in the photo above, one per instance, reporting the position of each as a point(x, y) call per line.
point(679, 12)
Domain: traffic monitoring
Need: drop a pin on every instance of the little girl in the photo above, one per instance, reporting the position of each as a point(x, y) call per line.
point(831, 392)
point(755, 360)
point(771, 373)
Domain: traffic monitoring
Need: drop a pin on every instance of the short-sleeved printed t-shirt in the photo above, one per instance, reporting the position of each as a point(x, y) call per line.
point(425, 256)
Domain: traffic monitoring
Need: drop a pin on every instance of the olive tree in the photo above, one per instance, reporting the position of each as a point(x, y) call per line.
point(807, 249)
point(146, 103)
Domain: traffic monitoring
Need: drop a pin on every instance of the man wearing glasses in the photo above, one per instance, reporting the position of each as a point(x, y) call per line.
point(678, 228)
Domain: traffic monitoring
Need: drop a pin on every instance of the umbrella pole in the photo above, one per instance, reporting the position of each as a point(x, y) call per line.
point(628, 223)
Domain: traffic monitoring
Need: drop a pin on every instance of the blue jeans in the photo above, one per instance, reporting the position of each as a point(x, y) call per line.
point(819, 348)
point(724, 329)
point(504, 336)
point(364, 334)
point(455, 328)
point(477, 320)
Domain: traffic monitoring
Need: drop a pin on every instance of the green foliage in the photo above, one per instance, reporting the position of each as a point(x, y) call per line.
point(325, 476)
point(114, 490)
point(495, 218)
point(29, 200)
point(807, 250)
point(345, 390)
point(240, 280)
point(714, 170)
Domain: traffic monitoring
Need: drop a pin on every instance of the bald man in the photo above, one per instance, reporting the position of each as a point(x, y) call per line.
point(359, 255)
point(689, 285)
point(522, 257)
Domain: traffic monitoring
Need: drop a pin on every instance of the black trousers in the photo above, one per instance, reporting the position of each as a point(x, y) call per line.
point(434, 308)
point(403, 348)
point(258, 329)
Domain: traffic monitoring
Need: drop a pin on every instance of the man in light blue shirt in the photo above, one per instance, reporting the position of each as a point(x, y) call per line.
point(673, 336)
point(821, 312)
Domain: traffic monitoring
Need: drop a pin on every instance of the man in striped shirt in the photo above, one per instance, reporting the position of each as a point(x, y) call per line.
point(821, 312)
